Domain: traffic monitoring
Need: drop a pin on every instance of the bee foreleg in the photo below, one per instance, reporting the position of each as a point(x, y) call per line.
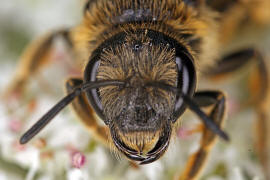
point(34, 58)
point(197, 160)
point(259, 98)
point(86, 114)
point(236, 61)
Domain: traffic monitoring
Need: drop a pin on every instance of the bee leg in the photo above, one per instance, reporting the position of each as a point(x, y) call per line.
point(86, 114)
point(259, 97)
point(197, 160)
point(35, 57)
point(259, 11)
point(236, 61)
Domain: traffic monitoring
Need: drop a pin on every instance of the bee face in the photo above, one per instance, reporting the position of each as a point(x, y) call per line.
point(139, 116)
point(137, 112)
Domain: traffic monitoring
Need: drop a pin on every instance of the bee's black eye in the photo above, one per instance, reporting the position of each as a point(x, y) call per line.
point(93, 94)
point(186, 81)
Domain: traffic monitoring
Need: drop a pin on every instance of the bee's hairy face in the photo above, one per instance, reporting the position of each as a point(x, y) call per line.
point(138, 115)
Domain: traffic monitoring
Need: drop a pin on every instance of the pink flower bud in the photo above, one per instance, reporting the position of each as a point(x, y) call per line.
point(78, 159)
point(183, 133)
point(15, 125)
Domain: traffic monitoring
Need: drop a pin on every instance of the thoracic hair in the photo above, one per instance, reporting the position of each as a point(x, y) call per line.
point(194, 28)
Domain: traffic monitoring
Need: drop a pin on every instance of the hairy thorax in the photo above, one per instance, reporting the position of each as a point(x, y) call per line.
point(195, 28)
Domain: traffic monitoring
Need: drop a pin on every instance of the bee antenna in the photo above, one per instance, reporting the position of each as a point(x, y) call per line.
point(45, 119)
point(192, 106)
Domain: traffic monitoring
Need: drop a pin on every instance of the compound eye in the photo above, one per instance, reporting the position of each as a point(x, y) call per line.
point(90, 75)
point(186, 81)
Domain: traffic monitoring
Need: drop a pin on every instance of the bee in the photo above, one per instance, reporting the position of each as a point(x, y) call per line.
point(142, 61)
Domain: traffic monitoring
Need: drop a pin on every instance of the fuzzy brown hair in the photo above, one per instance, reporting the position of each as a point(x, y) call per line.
point(194, 28)
point(148, 63)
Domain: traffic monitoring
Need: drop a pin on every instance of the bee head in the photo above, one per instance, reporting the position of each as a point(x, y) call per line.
point(140, 116)
point(139, 84)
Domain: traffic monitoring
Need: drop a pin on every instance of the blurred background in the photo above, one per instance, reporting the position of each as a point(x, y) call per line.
point(65, 150)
